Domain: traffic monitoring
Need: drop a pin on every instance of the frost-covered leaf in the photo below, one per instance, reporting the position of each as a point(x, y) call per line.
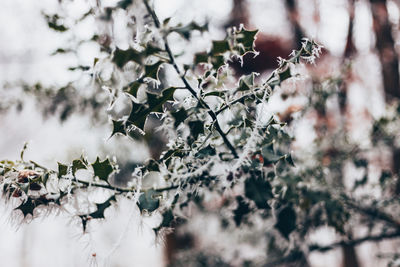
point(179, 116)
point(245, 40)
point(78, 164)
point(286, 221)
point(140, 112)
point(186, 31)
point(241, 210)
point(167, 219)
point(118, 127)
point(121, 57)
point(258, 190)
point(219, 47)
point(151, 71)
point(62, 169)
point(149, 200)
point(27, 207)
point(102, 169)
point(133, 88)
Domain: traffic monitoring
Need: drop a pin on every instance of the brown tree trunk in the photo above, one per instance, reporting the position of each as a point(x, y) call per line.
point(386, 48)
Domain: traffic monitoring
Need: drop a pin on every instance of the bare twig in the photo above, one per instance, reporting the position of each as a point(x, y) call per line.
point(187, 85)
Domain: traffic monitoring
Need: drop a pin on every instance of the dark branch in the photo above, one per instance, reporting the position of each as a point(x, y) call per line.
point(187, 85)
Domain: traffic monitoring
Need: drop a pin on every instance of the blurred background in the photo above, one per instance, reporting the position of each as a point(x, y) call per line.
point(360, 40)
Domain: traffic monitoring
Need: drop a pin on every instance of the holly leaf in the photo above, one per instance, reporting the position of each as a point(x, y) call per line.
point(179, 116)
point(258, 190)
point(220, 47)
point(118, 127)
point(201, 58)
point(121, 57)
point(102, 169)
point(186, 31)
point(196, 128)
point(27, 207)
point(78, 164)
point(54, 23)
point(245, 41)
point(168, 217)
point(246, 82)
point(140, 112)
point(286, 221)
point(62, 169)
point(124, 4)
point(101, 207)
point(206, 151)
point(242, 210)
point(149, 201)
point(151, 71)
point(133, 88)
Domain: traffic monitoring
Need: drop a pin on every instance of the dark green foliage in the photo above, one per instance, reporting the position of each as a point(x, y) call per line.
point(186, 31)
point(78, 164)
point(258, 190)
point(220, 47)
point(241, 211)
point(149, 201)
point(121, 57)
point(102, 169)
point(245, 40)
point(140, 112)
point(27, 207)
point(62, 169)
point(286, 221)
point(167, 219)
point(118, 127)
point(54, 22)
point(179, 116)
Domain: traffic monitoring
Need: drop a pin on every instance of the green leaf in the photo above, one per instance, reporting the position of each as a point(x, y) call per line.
point(118, 127)
point(149, 201)
point(201, 58)
point(289, 160)
point(258, 190)
point(102, 169)
point(270, 155)
point(62, 169)
point(121, 57)
point(284, 73)
point(205, 152)
point(196, 128)
point(101, 207)
point(246, 82)
point(124, 4)
point(151, 71)
point(78, 164)
point(168, 218)
point(186, 31)
point(133, 88)
point(286, 221)
point(242, 210)
point(219, 47)
point(140, 112)
point(179, 116)
point(27, 207)
point(54, 23)
point(245, 40)
point(217, 62)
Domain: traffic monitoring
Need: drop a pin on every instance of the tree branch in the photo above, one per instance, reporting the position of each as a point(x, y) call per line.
point(187, 85)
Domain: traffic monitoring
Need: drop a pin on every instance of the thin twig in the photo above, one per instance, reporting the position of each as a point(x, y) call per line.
point(186, 83)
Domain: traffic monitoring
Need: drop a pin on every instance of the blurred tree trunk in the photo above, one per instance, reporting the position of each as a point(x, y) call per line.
point(293, 14)
point(386, 48)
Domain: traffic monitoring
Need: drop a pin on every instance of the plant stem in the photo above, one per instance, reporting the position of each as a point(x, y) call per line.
point(187, 85)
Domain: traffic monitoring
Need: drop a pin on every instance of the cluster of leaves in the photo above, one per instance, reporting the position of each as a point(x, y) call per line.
point(220, 142)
